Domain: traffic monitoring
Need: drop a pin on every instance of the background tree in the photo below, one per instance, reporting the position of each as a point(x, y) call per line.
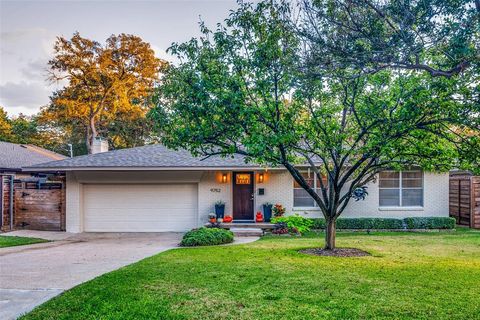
point(5, 126)
point(240, 90)
point(128, 131)
point(440, 37)
point(102, 81)
point(24, 129)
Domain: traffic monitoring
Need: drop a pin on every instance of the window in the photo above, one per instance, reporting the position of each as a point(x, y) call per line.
point(401, 189)
point(301, 198)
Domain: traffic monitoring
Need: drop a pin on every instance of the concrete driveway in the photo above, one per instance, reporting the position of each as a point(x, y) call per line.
point(33, 274)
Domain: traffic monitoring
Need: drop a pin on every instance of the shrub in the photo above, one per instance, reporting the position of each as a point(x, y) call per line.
point(430, 223)
point(369, 223)
point(361, 223)
point(295, 223)
point(318, 223)
point(389, 223)
point(206, 237)
point(280, 228)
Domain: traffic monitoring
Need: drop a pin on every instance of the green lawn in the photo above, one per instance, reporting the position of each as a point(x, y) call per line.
point(10, 241)
point(409, 276)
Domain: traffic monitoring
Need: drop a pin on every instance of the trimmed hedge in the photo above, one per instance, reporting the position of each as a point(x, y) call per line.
point(389, 223)
point(429, 223)
point(206, 237)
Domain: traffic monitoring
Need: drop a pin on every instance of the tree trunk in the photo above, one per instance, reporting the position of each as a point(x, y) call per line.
point(330, 234)
point(92, 136)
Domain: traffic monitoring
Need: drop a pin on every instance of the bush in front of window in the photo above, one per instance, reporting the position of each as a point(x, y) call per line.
point(430, 223)
point(389, 223)
point(369, 223)
point(206, 237)
point(361, 223)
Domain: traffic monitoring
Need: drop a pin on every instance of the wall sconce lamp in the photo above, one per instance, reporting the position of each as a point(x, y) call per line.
point(224, 178)
point(260, 178)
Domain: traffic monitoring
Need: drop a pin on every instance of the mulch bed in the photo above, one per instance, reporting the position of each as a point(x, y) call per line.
point(339, 252)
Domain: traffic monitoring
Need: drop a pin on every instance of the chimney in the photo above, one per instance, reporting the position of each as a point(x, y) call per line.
point(99, 145)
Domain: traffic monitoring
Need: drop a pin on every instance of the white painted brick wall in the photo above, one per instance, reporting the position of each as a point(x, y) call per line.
point(278, 187)
point(208, 195)
point(73, 205)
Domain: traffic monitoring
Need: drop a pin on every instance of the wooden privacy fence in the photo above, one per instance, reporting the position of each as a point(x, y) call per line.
point(35, 206)
point(464, 202)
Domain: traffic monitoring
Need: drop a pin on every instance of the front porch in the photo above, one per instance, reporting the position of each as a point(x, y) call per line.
point(246, 228)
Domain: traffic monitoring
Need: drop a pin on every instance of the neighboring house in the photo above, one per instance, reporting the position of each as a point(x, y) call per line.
point(25, 189)
point(152, 188)
point(13, 157)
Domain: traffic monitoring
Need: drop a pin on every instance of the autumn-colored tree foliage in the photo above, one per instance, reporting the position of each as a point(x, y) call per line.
point(104, 83)
point(5, 126)
point(24, 129)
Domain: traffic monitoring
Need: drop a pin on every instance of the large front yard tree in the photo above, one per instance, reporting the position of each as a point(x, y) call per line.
point(241, 90)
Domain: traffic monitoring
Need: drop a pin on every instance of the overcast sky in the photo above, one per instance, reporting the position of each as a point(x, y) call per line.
point(28, 30)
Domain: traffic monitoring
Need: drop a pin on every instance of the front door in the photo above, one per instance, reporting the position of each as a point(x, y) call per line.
point(243, 195)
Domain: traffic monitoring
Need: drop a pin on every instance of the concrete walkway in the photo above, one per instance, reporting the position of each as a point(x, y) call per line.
point(33, 274)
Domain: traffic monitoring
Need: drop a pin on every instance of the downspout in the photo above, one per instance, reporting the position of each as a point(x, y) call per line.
point(11, 203)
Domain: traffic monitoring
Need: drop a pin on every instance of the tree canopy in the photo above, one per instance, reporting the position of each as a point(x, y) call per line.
point(440, 37)
point(5, 126)
point(248, 88)
point(24, 129)
point(108, 87)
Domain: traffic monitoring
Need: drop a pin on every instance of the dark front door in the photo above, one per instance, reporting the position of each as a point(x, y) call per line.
point(242, 195)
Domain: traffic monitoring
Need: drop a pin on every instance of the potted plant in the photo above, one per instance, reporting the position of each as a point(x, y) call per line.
point(278, 210)
point(267, 211)
point(212, 217)
point(219, 209)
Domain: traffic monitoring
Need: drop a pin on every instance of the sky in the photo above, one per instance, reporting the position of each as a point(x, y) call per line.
point(28, 30)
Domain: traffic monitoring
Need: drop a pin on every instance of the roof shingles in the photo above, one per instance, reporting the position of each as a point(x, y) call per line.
point(155, 156)
point(15, 156)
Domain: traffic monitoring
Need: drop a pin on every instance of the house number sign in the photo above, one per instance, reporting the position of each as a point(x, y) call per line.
point(215, 190)
point(242, 179)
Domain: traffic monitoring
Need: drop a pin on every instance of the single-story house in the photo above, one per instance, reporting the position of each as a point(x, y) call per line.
point(152, 189)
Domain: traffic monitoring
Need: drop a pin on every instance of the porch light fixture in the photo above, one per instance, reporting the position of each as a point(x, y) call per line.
point(260, 178)
point(224, 178)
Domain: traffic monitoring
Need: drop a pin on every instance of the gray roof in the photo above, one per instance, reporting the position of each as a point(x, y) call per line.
point(150, 156)
point(16, 156)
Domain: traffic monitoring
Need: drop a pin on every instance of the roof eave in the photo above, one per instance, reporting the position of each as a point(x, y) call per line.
point(193, 168)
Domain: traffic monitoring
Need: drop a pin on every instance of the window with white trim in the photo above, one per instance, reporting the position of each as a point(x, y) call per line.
point(401, 188)
point(301, 198)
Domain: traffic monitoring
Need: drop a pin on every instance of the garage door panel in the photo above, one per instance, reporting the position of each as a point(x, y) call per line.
point(140, 208)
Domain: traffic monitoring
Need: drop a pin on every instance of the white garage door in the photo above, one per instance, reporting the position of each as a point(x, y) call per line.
point(139, 207)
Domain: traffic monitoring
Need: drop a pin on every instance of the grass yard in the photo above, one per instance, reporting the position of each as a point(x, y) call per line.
point(408, 276)
point(10, 241)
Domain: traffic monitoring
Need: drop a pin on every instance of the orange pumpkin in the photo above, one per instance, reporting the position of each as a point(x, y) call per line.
point(259, 217)
point(227, 219)
point(213, 220)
